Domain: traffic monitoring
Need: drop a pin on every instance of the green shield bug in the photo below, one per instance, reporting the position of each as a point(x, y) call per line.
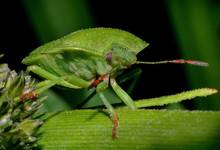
point(91, 58)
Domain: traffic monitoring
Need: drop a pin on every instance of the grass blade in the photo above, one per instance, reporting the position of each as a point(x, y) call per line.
point(141, 129)
point(188, 95)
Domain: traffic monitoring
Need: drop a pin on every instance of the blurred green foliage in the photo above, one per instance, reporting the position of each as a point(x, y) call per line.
point(52, 19)
point(196, 24)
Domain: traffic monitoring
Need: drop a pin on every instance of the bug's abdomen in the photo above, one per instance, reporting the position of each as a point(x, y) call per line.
point(87, 68)
point(82, 65)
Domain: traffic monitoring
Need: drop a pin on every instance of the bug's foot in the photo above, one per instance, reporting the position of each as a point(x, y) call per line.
point(115, 121)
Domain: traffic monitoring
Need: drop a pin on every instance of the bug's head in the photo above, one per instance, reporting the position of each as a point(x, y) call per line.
point(120, 57)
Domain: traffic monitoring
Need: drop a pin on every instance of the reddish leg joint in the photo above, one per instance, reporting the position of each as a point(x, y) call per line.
point(100, 79)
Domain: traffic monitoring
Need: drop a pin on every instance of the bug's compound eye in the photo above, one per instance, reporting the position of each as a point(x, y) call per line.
point(109, 57)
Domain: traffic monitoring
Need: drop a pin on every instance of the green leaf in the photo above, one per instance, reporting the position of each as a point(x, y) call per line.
point(188, 95)
point(141, 129)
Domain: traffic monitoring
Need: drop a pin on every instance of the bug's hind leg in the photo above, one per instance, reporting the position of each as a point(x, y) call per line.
point(113, 114)
point(47, 75)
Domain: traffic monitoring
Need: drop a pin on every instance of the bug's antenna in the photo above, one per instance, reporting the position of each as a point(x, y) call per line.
point(176, 61)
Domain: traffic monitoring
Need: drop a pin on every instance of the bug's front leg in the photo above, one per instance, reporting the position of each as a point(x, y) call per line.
point(124, 97)
point(122, 94)
point(101, 85)
point(113, 114)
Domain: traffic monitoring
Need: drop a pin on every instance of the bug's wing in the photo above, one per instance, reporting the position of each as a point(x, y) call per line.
point(94, 40)
point(101, 38)
point(33, 57)
point(74, 66)
point(73, 49)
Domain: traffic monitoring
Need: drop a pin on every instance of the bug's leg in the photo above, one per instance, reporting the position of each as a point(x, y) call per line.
point(47, 75)
point(132, 75)
point(73, 79)
point(44, 85)
point(112, 113)
point(122, 94)
point(100, 88)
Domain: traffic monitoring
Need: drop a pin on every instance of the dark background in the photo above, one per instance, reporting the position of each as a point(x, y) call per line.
point(149, 20)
